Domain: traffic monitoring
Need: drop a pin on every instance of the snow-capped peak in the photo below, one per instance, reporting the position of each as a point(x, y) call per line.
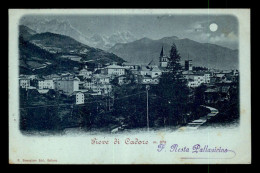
point(64, 27)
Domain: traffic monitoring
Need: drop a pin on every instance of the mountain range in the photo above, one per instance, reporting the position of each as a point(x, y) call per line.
point(126, 46)
point(63, 27)
point(106, 42)
point(49, 52)
point(144, 50)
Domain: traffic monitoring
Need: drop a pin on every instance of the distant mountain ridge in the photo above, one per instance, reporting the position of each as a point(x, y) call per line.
point(140, 51)
point(144, 50)
point(63, 27)
point(45, 50)
point(26, 32)
point(106, 42)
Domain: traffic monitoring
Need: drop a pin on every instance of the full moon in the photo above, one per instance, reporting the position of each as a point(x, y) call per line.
point(213, 27)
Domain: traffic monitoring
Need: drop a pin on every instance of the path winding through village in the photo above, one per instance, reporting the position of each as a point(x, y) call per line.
point(195, 124)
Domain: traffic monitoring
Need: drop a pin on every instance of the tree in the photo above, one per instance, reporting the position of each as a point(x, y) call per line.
point(199, 95)
point(130, 104)
point(115, 81)
point(174, 66)
point(173, 91)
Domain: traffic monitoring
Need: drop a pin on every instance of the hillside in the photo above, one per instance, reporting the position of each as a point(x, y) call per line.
point(63, 27)
point(41, 52)
point(203, 54)
point(26, 32)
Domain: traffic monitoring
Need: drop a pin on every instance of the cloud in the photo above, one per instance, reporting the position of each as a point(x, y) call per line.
point(199, 31)
point(197, 27)
point(227, 40)
point(222, 38)
point(203, 36)
point(232, 36)
point(217, 38)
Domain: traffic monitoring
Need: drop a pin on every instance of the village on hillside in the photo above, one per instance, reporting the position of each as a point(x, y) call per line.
point(94, 88)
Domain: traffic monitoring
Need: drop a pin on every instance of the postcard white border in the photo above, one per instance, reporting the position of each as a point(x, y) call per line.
point(78, 149)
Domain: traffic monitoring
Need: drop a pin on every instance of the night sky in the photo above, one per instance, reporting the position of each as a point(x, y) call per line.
point(194, 27)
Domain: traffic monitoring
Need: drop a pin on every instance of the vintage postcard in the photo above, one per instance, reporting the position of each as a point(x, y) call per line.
point(129, 86)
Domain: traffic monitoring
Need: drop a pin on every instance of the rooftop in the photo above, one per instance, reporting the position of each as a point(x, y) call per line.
point(113, 66)
point(145, 68)
point(101, 76)
point(156, 68)
point(211, 90)
point(128, 63)
point(153, 63)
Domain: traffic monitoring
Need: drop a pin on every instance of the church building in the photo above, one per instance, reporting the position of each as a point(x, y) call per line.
point(163, 59)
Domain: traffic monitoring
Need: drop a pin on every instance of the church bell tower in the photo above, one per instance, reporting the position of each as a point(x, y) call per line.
point(163, 59)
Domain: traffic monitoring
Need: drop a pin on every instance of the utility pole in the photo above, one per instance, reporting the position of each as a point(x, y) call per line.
point(147, 106)
point(113, 101)
point(106, 104)
point(97, 106)
point(109, 101)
